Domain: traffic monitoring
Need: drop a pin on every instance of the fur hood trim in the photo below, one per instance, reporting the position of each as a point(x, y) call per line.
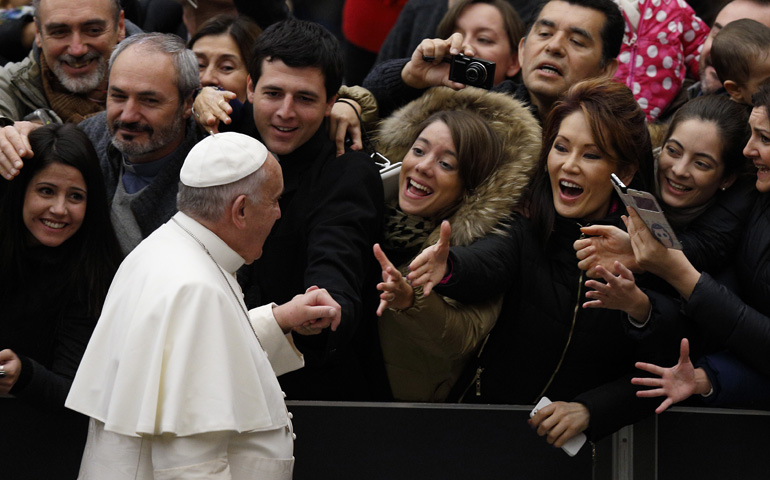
point(493, 201)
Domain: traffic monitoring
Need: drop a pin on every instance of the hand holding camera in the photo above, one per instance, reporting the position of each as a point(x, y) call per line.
point(434, 59)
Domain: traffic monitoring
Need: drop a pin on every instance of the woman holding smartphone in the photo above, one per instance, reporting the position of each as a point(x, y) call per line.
point(544, 343)
point(740, 321)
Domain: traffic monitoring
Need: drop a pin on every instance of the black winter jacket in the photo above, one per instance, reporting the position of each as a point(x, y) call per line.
point(542, 320)
point(741, 322)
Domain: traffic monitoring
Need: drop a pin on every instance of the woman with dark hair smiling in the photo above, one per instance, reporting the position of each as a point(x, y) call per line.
point(704, 190)
point(58, 254)
point(544, 343)
point(739, 322)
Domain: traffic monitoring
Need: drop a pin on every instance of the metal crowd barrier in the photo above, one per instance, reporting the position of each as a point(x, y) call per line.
point(372, 441)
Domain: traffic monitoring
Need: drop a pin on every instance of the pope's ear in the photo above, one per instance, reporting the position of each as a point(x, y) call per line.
point(238, 211)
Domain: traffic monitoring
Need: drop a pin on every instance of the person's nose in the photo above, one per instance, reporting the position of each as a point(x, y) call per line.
point(77, 48)
point(572, 163)
point(58, 206)
point(555, 45)
point(750, 151)
point(209, 77)
point(286, 110)
point(679, 168)
point(131, 111)
point(425, 166)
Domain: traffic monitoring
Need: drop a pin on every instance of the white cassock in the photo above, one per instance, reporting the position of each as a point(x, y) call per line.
point(174, 379)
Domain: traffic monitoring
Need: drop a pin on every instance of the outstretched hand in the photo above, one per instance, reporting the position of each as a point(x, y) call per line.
point(309, 313)
point(396, 292)
point(676, 383)
point(430, 266)
point(605, 246)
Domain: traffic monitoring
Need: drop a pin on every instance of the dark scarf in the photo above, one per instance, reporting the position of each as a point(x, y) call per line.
point(71, 107)
point(404, 231)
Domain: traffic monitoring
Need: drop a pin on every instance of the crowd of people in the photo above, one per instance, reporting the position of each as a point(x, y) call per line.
point(195, 226)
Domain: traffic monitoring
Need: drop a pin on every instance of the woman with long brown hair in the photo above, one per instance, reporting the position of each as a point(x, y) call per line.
point(544, 343)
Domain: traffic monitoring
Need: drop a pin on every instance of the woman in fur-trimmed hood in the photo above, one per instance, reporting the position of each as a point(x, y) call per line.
point(468, 157)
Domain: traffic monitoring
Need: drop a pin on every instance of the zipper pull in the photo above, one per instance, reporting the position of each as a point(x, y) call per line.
point(477, 379)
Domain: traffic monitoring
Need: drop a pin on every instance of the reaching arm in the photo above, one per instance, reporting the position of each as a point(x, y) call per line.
point(479, 271)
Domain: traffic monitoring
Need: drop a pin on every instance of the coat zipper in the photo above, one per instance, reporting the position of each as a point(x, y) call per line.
point(571, 331)
point(477, 377)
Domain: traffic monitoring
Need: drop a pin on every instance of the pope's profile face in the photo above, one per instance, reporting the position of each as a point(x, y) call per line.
point(262, 210)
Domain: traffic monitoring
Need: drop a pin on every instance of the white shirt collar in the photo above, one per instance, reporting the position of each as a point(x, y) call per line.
point(225, 256)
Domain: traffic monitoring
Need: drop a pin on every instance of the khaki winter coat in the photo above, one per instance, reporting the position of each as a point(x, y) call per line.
point(426, 346)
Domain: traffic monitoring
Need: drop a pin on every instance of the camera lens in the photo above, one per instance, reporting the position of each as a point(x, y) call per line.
point(476, 73)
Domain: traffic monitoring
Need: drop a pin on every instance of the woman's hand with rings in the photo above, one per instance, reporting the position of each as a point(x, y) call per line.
point(212, 106)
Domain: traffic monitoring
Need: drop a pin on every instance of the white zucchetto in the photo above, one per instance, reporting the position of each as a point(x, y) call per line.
point(222, 158)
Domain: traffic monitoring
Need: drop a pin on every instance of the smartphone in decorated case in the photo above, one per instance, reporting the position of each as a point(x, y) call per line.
point(650, 212)
point(573, 445)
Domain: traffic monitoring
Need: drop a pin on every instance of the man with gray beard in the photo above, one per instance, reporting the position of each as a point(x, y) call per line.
point(63, 78)
point(143, 136)
point(146, 131)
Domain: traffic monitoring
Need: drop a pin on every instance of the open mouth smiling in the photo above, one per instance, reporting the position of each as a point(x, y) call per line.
point(52, 224)
point(677, 186)
point(417, 189)
point(569, 189)
point(81, 64)
point(284, 129)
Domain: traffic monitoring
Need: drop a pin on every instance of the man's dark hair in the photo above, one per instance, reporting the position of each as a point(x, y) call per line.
point(298, 44)
point(612, 31)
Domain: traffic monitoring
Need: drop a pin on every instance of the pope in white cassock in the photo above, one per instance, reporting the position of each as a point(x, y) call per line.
point(176, 377)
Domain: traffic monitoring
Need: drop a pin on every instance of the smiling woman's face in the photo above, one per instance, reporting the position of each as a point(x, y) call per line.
point(430, 182)
point(580, 171)
point(54, 204)
point(690, 167)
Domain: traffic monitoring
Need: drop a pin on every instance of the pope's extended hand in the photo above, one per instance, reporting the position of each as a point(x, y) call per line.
point(344, 121)
point(605, 246)
point(430, 266)
point(211, 107)
point(12, 368)
point(396, 292)
point(309, 313)
point(14, 146)
point(560, 421)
